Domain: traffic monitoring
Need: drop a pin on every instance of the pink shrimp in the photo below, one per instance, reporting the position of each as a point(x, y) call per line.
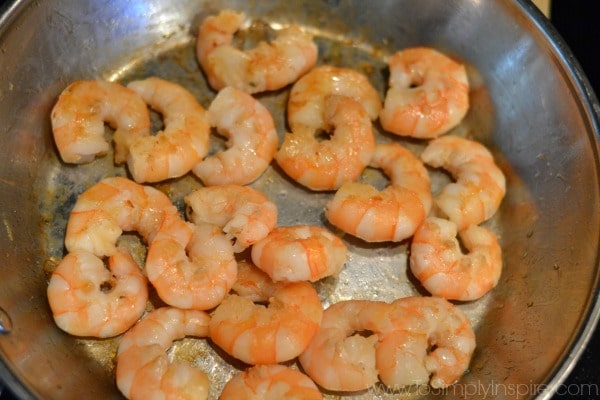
point(78, 120)
point(329, 163)
point(246, 215)
point(191, 266)
point(256, 334)
point(480, 184)
point(306, 103)
point(413, 340)
point(270, 382)
point(298, 253)
point(110, 207)
point(427, 340)
point(339, 358)
point(392, 214)
point(269, 66)
point(437, 261)
point(428, 93)
point(144, 370)
point(87, 299)
point(252, 142)
point(184, 141)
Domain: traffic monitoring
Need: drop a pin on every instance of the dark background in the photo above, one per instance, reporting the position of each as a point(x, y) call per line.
point(579, 26)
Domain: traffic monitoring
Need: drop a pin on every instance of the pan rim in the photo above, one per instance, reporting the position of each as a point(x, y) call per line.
point(590, 106)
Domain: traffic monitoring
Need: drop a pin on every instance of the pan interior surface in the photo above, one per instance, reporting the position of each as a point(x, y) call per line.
point(528, 106)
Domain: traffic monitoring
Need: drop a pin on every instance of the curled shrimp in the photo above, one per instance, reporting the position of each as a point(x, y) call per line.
point(425, 340)
point(191, 266)
point(257, 334)
point(437, 261)
point(270, 382)
point(143, 367)
point(110, 207)
point(307, 96)
point(87, 299)
point(174, 151)
point(428, 93)
point(80, 112)
point(413, 340)
point(392, 214)
point(299, 253)
point(480, 185)
point(252, 143)
point(327, 164)
point(269, 66)
point(245, 214)
point(339, 358)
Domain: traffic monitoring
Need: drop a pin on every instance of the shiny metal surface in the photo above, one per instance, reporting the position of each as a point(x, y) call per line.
point(530, 104)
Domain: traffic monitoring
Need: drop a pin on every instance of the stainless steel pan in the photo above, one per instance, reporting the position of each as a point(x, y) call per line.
point(531, 105)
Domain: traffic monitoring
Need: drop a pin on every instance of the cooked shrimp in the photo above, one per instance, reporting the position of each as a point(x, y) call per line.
point(144, 370)
point(480, 185)
point(392, 214)
point(269, 66)
point(327, 164)
point(79, 115)
point(428, 340)
point(111, 206)
point(252, 283)
point(307, 96)
point(299, 253)
point(87, 299)
point(414, 340)
point(174, 151)
point(437, 261)
point(339, 358)
point(245, 214)
point(428, 93)
point(252, 143)
point(191, 266)
point(270, 382)
point(257, 334)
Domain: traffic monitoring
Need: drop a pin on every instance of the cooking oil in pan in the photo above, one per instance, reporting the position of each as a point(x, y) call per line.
point(375, 271)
